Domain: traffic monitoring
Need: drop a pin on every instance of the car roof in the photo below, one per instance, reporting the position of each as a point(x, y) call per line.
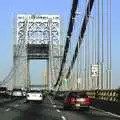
point(74, 93)
point(17, 89)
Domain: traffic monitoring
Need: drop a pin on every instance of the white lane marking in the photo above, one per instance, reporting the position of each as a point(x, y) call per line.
point(54, 106)
point(63, 117)
point(113, 114)
point(97, 109)
point(16, 105)
point(105, 111)
point(58, 110)
point(8, 109)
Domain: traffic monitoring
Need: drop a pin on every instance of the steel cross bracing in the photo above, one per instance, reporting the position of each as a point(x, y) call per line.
point(37, 37)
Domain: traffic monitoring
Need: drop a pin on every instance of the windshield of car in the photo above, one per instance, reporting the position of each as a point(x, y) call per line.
point(17, 90)
point(34, 91)
point(77, 95)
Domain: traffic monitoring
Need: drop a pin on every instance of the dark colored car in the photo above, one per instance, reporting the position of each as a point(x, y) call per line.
point(59, 95)
point(3, 91)
point(77, 100)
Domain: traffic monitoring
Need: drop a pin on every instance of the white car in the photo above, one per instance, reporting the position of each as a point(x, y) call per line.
point(34, 95)
point(17, 93)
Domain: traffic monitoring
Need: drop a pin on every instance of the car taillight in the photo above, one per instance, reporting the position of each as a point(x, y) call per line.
point(73, 101)
point(67, 101)
point(90, 99)
point(87, 101)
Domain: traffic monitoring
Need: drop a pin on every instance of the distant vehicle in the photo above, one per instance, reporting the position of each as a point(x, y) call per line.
point(3, 91)
point(9, 93)
point(77, 100)
point(34, 95)
point(59, 95)
point(52, 93)
point(24, 93)
point(44, 93)
point(17, 93)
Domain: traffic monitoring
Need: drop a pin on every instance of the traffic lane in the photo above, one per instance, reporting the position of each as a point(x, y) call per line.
point(19, 110)
point(3, 99)
point(43, 111)
point(93, 114)
point(8, 101)
point(12, 110)
point(87, 115)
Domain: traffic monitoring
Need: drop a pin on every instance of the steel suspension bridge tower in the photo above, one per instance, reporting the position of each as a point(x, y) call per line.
point(36, 37)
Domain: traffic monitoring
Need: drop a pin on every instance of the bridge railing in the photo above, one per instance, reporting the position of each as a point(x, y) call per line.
point(112, 95)
point(107, 95)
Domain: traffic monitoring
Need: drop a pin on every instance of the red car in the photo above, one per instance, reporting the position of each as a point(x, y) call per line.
point(77, 100)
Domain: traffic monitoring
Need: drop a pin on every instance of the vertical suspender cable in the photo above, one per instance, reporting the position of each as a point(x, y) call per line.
point(107, 49)
point(86, 55)
point(95, 40)
point(70, 49)
point(93, 48)
point(98, 49)
point(88, 52)
point(96, 34)
point(102, 69)
point(85, 61)
point(77, 69)
point(81, 66)
point(110, 49)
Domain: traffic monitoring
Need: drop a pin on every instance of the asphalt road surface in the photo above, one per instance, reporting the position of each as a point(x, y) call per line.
point(49, 109)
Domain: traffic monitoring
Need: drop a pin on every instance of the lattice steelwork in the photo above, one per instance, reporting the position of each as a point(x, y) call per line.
point(37, 37)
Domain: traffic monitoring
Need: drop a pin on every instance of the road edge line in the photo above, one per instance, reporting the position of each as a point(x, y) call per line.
point(113, 114)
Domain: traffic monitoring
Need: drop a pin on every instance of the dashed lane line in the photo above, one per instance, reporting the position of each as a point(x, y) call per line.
point(8, 109)
point(63, 118)
point(113, 114)
point(58, 110)
point(54, 106)
point(16, 105)
point(97, 109)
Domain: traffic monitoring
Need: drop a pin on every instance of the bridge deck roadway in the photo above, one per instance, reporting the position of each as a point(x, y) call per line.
point(48, 110)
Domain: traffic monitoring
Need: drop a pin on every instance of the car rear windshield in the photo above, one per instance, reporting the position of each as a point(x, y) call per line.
point(35, 91)
point(78, 95)
point(17, 90)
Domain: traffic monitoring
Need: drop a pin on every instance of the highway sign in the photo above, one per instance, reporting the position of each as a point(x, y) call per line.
point(94, 70)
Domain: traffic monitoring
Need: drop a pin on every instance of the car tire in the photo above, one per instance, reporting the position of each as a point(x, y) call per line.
point(27, 101)
point(87, 109)
point(65, 107)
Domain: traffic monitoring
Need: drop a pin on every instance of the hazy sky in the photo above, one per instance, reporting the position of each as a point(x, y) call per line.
point(9, 8)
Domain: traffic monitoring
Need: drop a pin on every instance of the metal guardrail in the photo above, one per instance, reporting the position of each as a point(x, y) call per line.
point(107, 95)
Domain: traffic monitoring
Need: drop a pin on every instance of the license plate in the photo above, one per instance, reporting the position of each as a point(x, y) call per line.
point(77, 105)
